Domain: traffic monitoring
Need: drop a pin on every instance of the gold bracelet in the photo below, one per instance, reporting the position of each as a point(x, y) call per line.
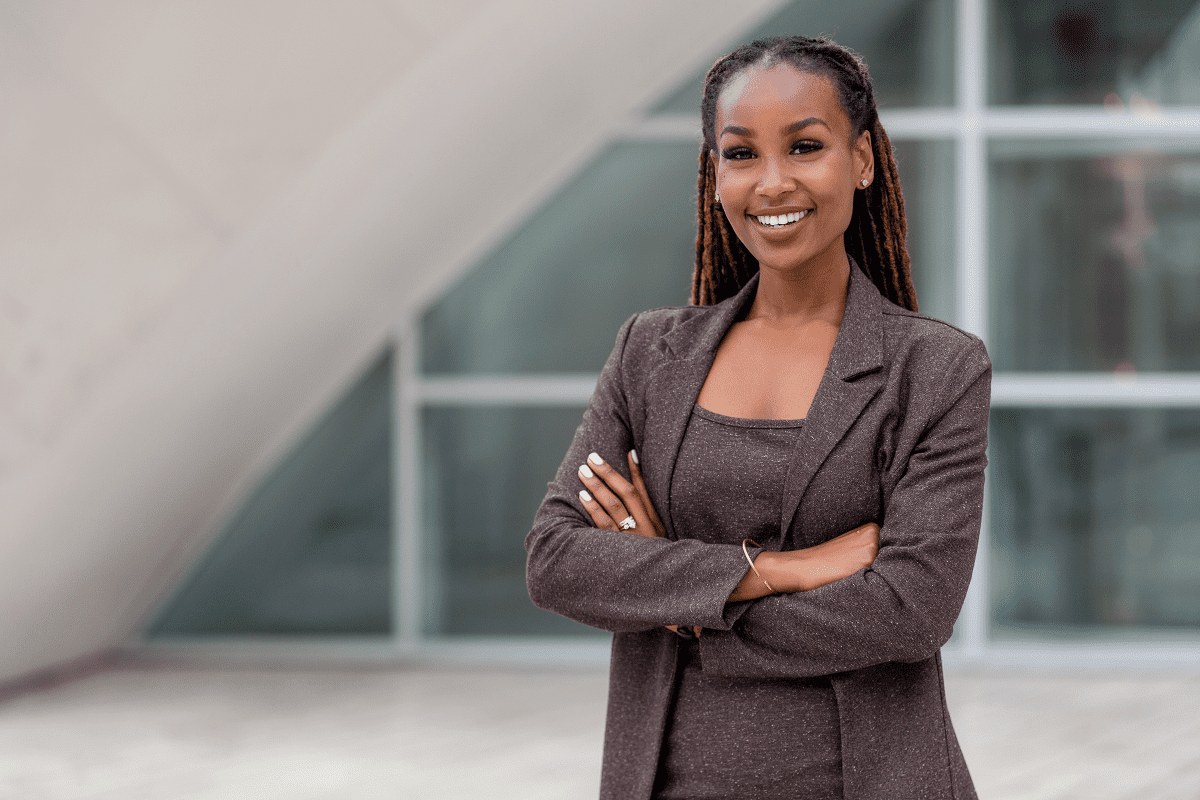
point(750, 561)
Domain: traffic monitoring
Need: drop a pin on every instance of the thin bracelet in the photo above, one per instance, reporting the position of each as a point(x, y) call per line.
point(750, 561)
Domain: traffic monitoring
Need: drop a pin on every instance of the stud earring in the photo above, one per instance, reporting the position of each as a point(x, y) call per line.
point(717, 196)
point(865, 183)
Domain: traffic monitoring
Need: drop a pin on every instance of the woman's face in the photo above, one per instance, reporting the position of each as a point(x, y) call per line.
point(787, 166)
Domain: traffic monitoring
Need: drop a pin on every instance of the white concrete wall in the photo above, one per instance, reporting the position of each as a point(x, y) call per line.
point(212, 213)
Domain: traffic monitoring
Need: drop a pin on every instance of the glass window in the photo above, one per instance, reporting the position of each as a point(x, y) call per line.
point(1095, 519)
point(618, 239)
point(310, 551)
point(485, 473)
point(908, 45)
point(1127, 53)
point(1095, 256)
point(927, 176)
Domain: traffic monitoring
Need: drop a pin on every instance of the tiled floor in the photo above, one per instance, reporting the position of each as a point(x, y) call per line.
point(457, 733)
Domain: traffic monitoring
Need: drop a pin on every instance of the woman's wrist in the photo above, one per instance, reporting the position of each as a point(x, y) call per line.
point(782, 570)
point(787, 571)
point(755, 583)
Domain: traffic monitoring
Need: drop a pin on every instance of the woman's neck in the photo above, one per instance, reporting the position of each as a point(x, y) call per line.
point(801, 296)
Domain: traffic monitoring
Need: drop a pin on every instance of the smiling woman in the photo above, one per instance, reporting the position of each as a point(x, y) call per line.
point(774, 498)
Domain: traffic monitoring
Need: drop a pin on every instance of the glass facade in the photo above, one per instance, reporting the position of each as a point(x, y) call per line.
point(1095, 521)
point(1095, 255)
point(618, 240)
point(309, 553)
point(485, 472)
point(1136, 53)
point(908, 45)
point(1050, 158)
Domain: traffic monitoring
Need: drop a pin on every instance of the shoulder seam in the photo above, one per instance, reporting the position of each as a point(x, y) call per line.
point(903, 312)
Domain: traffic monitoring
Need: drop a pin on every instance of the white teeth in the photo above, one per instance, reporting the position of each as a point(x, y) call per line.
point(780, 221)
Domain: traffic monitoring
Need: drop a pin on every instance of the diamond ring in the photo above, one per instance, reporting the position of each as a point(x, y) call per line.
point(627, 524)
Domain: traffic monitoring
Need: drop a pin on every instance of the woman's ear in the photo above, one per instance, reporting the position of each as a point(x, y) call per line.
point(864, 159)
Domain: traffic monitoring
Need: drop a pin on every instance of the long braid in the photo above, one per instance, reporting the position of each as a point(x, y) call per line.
point(877, 235)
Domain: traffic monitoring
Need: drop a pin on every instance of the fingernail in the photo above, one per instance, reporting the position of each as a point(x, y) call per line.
point(595, 459)
point(584, 496)
point(585, 472)
point(633, 455)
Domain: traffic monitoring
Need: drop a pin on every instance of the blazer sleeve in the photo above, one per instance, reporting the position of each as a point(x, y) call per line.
point(615, 580)
point(902, 607)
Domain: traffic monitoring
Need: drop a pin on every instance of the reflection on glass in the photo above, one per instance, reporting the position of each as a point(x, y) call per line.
point(1095, 256)
point(1127, 54)
point(1095, 519)
point(907, 44)
point(485, 472)
point(310, 551)
point(927, 176)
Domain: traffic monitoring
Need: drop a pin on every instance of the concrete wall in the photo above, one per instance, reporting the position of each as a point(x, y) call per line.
point(212, 214)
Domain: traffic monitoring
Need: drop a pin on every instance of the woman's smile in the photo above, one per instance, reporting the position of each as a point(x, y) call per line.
point(778, 220)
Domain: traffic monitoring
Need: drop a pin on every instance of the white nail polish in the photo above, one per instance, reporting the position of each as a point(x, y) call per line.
point(595, 459)
point(584, 496)
point(585, 472)
point(633, 454)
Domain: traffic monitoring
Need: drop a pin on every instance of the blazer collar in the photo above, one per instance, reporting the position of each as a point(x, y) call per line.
point(845, 388)
point(857, 350)
point(699, 335)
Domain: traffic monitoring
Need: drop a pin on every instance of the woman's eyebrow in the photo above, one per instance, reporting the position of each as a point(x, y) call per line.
point(804, 123)
point(738, 130)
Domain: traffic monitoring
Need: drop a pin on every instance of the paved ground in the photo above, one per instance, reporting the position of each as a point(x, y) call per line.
point(473, 733)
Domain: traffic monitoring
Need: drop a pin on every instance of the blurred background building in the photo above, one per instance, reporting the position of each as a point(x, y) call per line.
point(301, 303)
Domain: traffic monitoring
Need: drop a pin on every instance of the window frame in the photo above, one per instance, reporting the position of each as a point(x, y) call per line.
point(971, 124)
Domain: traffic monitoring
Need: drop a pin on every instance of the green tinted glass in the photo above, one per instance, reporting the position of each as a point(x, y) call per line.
point(310, 551)
point(619, 239)
point(1095, 255)
point(1095, 519)
point(908, 46)
point(485, 473)
point(1127, 54)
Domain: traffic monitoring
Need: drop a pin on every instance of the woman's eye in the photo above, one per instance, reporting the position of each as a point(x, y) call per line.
point(737, 153)
point(806, 146)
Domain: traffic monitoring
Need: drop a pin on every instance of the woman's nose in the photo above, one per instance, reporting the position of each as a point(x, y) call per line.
point(774, 179)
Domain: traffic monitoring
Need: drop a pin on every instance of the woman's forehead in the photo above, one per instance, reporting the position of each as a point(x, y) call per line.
point(779, 88)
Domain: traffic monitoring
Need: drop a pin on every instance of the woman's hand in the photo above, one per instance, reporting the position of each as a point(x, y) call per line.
point(609, 499)
point(812, 567)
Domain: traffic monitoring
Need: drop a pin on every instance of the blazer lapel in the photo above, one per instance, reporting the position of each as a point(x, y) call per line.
point(853, 376)
point(674, 387)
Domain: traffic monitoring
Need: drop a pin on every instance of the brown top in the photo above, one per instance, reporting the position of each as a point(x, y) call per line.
point(724, 734)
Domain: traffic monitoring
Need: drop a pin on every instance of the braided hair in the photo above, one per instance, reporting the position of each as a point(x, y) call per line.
point(876, 236)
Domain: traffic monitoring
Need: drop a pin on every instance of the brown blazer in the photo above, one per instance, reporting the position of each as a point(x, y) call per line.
point(897, 434)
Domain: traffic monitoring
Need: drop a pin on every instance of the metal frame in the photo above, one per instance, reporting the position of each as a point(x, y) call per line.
point(970, 125)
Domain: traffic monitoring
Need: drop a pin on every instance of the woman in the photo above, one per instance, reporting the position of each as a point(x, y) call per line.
point(805, 454)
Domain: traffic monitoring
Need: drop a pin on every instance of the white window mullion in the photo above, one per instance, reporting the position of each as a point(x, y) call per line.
point(492, 390)
point(407, 585)
point(1096, 390)
point(971, 258)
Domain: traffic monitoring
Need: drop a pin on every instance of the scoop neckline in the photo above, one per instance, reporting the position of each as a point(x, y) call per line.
point(745, 422)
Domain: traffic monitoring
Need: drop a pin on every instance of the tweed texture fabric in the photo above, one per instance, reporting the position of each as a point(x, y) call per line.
point(897, 434)
point(728, 485)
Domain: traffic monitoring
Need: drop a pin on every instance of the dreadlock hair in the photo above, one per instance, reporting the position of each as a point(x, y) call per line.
point(877, 232)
